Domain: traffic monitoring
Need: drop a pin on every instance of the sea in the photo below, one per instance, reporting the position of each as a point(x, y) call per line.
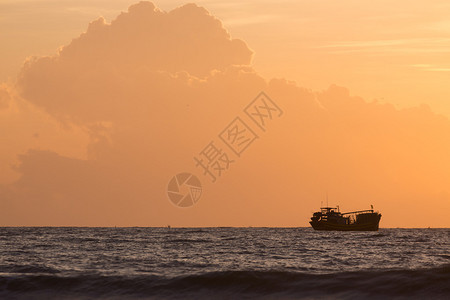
point(223, 263)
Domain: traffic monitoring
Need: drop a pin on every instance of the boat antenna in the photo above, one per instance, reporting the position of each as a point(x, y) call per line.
point(327, 198)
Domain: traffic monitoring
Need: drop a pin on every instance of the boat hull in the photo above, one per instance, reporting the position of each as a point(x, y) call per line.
point(323, 225)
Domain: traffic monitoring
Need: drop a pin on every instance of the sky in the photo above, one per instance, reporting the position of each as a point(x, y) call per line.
point(102, 103)
point(395, 52)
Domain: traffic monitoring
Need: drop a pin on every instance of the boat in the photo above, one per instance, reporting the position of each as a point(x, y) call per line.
point(330, 218)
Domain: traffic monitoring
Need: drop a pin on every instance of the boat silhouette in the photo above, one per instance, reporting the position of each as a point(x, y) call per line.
point(330, 218)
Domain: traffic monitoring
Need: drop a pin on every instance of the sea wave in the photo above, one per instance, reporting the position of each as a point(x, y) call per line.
point(375, 284)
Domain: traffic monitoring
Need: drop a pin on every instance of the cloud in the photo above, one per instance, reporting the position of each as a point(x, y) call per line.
point(153, 88)
point(104, 61)
point(431, 68)
point(23, 126)
point(415, 45)
point(5, 97)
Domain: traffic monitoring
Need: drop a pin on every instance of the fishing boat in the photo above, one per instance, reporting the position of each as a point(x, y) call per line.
point(330, 218)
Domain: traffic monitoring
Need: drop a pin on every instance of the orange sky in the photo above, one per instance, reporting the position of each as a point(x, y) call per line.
point(93, 132)
point(395, 52)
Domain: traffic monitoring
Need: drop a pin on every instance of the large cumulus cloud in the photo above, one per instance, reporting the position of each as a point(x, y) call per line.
point(152, 88)
point(104, 65)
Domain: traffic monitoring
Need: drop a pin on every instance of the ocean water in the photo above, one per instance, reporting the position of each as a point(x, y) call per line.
point(223, 263)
